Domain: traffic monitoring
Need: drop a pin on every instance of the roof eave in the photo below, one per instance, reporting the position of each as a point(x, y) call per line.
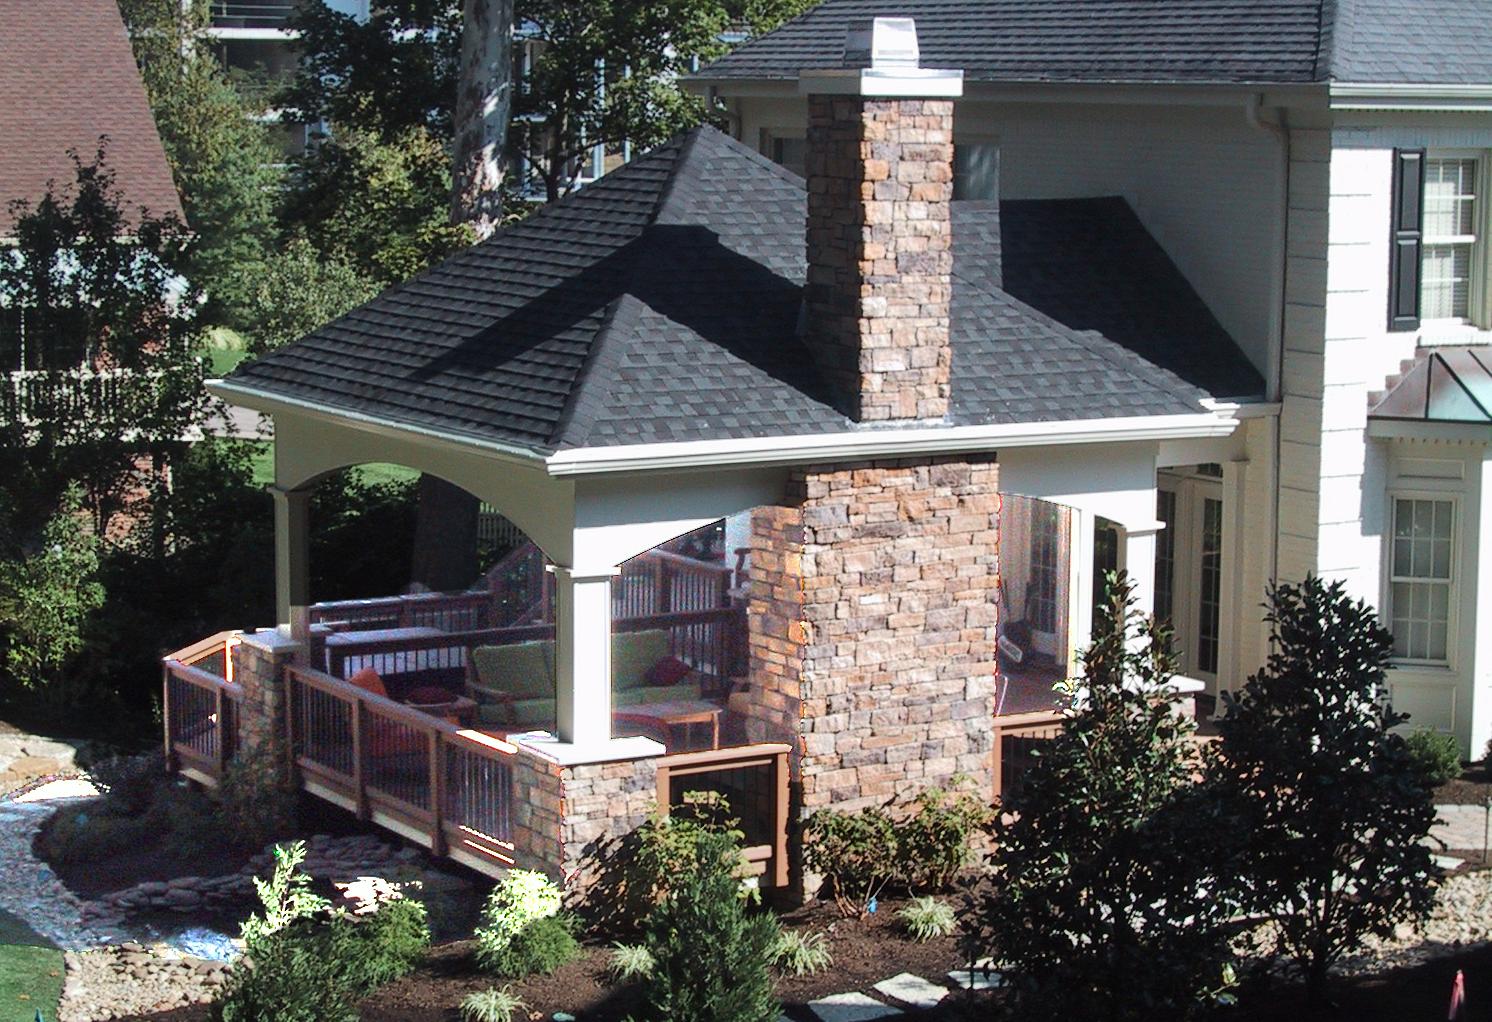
point(1386, 96)
point(1194, 93)
point(881, 442)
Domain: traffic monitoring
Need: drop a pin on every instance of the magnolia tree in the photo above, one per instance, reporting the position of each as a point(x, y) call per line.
point(1098, 898)
point(104, 376)
point(1328, 810)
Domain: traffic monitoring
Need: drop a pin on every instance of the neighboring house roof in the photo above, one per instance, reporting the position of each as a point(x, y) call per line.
point(1451, 384)
point(1150, 41)
point(662, 303)
point(68, 76)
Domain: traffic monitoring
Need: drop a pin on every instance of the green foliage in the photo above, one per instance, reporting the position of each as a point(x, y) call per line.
point(628, 963)
point(309, 963)
point(855, 853)
point(46, 598)
point(100, 284)
point(492, 1006)
point(926, 918)
point(934, 838)
point(1098, 899)
point(143, 809)
point(302, 289)
point(255, 804)
point(800, 954)
point(1437, 755)
point(375, 206)
point(518, 899)
point(540, 947)
point(711, 956)
point(1327, 805)
point(129, 783)
point(223, 160)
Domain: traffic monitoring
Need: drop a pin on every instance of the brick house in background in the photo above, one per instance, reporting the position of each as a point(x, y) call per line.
point(919, 468)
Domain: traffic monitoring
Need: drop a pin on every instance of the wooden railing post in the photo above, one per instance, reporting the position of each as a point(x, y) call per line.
point(779, 849)
point(359, 745)
point(437, 793)
point(166, 718)
point(222, 730)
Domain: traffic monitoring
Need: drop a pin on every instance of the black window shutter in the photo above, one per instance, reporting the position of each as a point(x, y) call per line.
point(1404, 242)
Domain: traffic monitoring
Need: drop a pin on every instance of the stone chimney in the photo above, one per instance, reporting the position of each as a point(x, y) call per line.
point(880, 257)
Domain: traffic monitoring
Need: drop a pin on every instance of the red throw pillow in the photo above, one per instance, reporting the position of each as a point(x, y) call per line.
point(668, 671)
point(368, 680)
point(428, 694)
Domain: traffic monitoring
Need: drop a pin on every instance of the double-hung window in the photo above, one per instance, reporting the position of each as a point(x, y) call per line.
point(1422, 576)
point(1452, 211)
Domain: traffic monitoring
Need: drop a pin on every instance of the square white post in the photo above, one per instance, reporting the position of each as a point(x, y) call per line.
point(1137, 558)
point(292, 561)
point(583, 656)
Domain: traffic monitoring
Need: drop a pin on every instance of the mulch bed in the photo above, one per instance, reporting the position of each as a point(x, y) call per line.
point(165, 861)
point(1472, 788)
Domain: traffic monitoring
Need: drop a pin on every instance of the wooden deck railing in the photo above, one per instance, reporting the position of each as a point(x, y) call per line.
point(429, 780)
point(1017, 737)
point(754, 779)
point(200, 706)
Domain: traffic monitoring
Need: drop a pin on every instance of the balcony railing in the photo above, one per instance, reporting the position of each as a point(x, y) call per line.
point(33, 395)
point(265, 14)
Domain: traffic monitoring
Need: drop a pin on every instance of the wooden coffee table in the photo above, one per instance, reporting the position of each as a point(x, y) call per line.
point(664, 717)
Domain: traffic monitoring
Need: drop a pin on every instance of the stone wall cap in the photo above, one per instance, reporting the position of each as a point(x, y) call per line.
point(271, 640)
point(547, 746)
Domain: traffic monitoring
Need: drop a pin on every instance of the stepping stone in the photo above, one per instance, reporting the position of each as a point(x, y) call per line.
point(912, 989)
point(75, 788)
point(850, 1008)
point(983, 976)
point(1446, 861)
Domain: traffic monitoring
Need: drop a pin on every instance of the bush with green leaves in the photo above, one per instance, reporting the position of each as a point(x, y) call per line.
point(1327, 807)
point(934, 838)
point(801, 954)
point(256, 805)
point(1438, 755)
point(543, 945)
point(628, 963)
point(855, 853)
point(711, 954)
point(493, 1005)
point(926, 918)
point(308, 962)
point(520, 899)
point(1098, 898)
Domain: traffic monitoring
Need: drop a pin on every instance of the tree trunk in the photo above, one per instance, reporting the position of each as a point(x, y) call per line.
point(445, 535)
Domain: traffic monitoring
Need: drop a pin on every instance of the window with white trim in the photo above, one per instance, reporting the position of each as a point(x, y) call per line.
point(1451, 235)
point(1422, 560)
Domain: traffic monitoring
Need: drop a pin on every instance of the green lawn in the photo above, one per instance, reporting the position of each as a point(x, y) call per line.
point(30, 973)
point(225, 349)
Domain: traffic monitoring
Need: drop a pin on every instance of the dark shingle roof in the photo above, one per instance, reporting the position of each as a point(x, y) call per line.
point(1090, 263)
point(661, 303)
point(1062, 40)
point(1152, 41)
point(67, 76)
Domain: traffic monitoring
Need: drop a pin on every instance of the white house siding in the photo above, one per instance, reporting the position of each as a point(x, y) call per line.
point(1193, 175)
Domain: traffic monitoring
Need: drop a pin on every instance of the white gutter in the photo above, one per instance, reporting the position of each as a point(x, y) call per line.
point(886, 443)
point(1396, 96)
point(273, 404)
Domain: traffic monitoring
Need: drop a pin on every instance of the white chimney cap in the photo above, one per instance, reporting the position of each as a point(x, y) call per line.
point(882, 59)
point(882, 42)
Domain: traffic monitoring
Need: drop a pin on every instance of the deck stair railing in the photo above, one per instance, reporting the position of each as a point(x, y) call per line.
point(201, 702)
point(424, 778)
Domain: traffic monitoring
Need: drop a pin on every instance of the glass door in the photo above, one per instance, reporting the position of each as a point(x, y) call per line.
point(1188, 569)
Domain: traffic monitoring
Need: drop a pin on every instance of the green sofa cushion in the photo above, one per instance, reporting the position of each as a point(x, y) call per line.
point(633, 654)
point(524, 669)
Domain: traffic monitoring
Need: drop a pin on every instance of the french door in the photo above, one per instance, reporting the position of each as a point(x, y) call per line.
point(1189, 569)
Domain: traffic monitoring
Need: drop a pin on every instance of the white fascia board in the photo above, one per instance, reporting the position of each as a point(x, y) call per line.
point(1091, 93)
point(1421, 429)
point(1395, 96)
point(885, 443)
point(274, 404)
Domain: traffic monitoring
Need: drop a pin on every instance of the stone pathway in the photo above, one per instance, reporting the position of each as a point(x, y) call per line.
point(31, 891)
point(1459, 827)
point(902, 992)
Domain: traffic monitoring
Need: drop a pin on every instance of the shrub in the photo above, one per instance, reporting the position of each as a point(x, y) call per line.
point(1329, 803)
point(255, 805)
point(934, 840)
point(305, 962)
point(492, 1006)
point(1099, 900)
point(712, 958)
point(1437, 755)
point(629, 962)
point(801, 954)
point(539, 948)
point(927, 918)
point(129, 783)
point(855, 853)
point(520, 897)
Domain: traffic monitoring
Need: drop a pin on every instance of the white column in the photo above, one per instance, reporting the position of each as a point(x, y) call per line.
point(583, 656)
point(1137, 558)
point(1232, 600)
point(292, 561)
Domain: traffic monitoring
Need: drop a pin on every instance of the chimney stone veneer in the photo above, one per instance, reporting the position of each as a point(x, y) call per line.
point(880, 259)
